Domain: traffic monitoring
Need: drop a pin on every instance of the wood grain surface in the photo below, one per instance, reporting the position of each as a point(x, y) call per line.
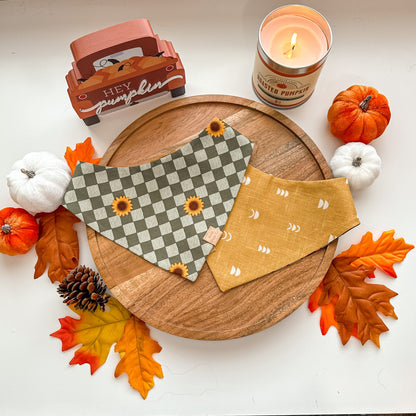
point(199, 310)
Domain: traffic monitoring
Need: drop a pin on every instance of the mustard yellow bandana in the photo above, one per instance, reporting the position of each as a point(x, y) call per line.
point(275, 222)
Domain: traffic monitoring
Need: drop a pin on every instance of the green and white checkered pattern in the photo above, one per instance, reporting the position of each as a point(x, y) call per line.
point(158, 228)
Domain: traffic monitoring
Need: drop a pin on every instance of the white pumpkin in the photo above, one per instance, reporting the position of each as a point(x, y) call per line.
point(38, 181)
point(358, 162)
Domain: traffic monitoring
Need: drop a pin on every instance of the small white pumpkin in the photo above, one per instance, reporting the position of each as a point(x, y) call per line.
point(38, 181)
point(358, 162)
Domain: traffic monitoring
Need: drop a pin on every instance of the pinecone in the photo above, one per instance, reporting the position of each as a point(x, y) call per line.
point(84, 288)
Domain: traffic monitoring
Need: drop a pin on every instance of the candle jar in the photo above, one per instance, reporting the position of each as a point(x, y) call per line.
point(293, 44)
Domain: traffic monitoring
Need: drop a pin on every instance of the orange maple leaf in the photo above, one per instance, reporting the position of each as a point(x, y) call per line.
point(383, 253)
point(136, 349)
point(347, 301)
point(57, 244)
point(83, 152)
point(96, 331)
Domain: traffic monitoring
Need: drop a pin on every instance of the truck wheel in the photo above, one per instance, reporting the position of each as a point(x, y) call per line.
point(89, 121)
point(178, 91)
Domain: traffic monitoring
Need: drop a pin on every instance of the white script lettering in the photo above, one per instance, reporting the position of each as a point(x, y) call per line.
point(144, 88)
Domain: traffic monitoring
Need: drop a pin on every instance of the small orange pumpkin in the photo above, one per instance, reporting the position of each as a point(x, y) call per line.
point(359, 114)
point(18, 231)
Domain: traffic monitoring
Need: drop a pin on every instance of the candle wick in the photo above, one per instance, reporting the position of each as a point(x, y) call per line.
point(289, 53)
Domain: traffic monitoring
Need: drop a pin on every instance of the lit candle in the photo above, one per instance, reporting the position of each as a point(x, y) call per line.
point(293, 44)
point(307, 47)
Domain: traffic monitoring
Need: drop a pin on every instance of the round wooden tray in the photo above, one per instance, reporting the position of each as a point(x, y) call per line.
point(199, 309)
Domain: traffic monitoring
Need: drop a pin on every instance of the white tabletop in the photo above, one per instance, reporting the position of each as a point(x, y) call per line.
point(289, 368)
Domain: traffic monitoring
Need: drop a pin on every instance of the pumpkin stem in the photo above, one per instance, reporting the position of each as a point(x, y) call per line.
point(6, 228)
point(364, 103)
point(29, 173)
point(356, 162)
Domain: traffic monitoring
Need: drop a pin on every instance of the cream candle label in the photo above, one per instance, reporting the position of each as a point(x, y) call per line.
point(282, 90)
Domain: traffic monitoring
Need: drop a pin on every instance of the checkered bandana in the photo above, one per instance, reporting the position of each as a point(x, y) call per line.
point(162, 210)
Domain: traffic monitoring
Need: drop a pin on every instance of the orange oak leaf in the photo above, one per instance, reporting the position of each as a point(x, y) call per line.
point(347, 301)
point(57, 244)
point(382, 253)
point(136, 348)
point(358, 302)
point(95, 331)
point(82, 152)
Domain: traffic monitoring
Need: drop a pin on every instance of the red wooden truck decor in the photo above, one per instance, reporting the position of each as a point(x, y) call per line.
point(121, 65)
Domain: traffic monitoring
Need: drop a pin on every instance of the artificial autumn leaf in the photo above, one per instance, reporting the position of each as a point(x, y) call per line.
point(382, 253)
point(57, 244)
point(96, 331)
point(136, 349)
point(347, 301)
point(356, 301)
point(82, 152)
point(327, 311)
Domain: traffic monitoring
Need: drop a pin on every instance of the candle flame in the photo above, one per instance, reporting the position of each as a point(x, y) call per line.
point(289, 53)
point(293, 40)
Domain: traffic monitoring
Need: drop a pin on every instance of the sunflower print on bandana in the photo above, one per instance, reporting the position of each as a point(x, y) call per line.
point(216, 128)
point(193, 205)
point(122, 206)
point(180, 269)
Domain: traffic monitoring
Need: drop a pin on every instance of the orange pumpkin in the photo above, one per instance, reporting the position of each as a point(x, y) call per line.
point(359, 114)
point(18, 231)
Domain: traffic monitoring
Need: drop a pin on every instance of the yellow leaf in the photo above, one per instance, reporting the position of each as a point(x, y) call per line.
point(136, 349)
point(96, 331)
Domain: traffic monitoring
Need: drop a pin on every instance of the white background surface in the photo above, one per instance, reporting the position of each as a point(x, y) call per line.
point(289, 368)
